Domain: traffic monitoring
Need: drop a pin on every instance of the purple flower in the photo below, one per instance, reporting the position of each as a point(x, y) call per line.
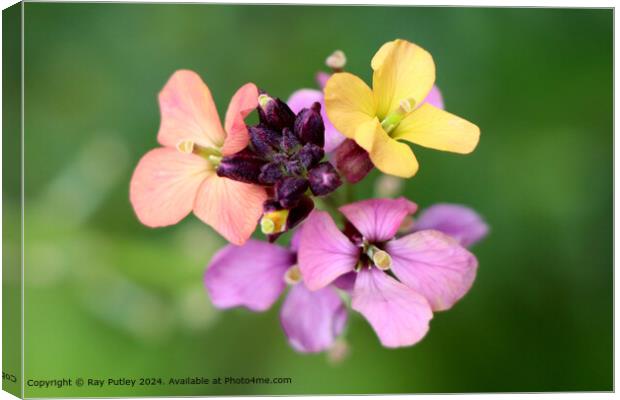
point(256, 274)
point(396, 284)
point(460, 222)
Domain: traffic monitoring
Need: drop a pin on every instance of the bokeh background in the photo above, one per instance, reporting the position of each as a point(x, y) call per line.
point(107, 297)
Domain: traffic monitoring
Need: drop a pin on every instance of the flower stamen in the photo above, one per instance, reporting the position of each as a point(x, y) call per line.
point(292, 276)
point(213, 156)
point(185, 146)
point(263, 100)
point(214, 160)
point(380, 258)
point(405, 107)
point(336, 61)
point(274, 222)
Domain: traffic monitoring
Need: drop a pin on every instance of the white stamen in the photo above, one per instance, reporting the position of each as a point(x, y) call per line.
point(267, 226)
point(337, 60)
point(185, 146)
point(263, 99)
point(382, 260)
point(292, 276)
point(338, 352)
point(407, 105)
point(388, 186)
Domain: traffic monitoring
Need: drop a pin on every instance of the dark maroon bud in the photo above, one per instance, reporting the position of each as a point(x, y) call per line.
point(272, 237)
point(270, 173)
point(352, 233)
point(300, 212)
point(310, 155)
point(294, 167)
point(271, 205)
point(280, 158)
point(296, 215)
point(290, 142)
point(265, 141)
point(323, 179)
point(243, 167)
point(274, 112)
point(289, 190)
point(309, 125)
point(352, 161)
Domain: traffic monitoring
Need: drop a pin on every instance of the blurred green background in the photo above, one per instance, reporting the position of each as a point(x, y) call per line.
point(107, 297)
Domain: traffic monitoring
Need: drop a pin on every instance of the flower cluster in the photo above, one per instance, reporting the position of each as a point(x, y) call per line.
point(284, 153)
point(283, 174)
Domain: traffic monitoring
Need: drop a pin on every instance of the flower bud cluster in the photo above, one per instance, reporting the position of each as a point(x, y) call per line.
point(285, 153)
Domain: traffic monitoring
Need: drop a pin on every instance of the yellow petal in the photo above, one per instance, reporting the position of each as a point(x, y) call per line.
point(388, 155)
point(348, 102)
point(379, 57)
point(432, 127)
point(402, 70)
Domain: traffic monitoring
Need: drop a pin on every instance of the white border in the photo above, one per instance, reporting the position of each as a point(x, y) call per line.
point(472, 3)
point(23, 198)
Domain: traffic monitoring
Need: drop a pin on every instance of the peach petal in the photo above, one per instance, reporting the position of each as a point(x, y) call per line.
point(232, 208)
point(243, 102)
point(188, 112)
point(164, 185)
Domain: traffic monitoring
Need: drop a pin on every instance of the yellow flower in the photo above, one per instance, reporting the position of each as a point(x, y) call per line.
point(379, 119)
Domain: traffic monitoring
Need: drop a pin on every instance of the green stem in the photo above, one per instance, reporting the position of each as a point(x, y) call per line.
point(349, 193)
point(344, 195)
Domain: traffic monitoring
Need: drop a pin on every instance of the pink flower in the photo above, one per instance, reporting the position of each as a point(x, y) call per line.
point(171, 181)
point(396, 284)
point(255, 275)
point(460, 222)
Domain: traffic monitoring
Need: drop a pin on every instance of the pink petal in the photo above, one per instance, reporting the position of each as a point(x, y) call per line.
point(304, 98)
point(312, 320)
point(322, 78)
point(295, 238)
point(399, 316)
point(188, 112)
point(457, 221)
point(434, 265)
point(250, 276)
point(346, 282)
point(164, 186)
point(434, 98)
point(325, 253)
point(232, 208)
point(243, 102)
point(333, 138)
point(378, 220)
